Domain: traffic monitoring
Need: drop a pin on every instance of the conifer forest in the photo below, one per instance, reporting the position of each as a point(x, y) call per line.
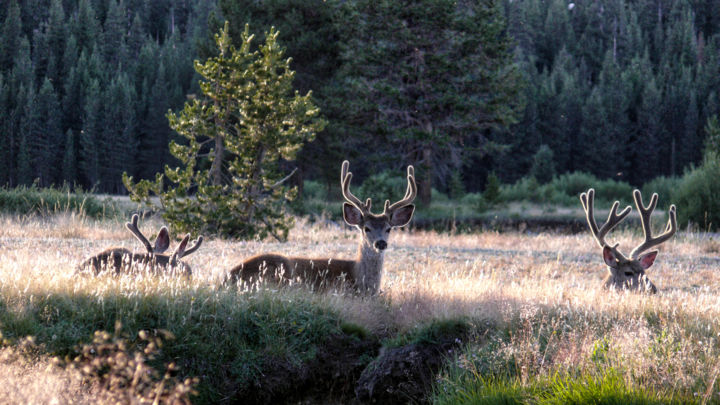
point(621, 89)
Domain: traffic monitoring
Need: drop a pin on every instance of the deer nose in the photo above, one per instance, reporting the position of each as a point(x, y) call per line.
point(380, 245)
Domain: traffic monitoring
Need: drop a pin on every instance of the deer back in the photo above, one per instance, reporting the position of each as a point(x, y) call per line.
point(122, 260)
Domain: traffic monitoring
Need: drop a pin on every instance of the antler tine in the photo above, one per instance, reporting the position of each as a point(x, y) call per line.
point(588, 201)
point(410, 192)
point(645, 213)
point(194, 247)
point(133, 227)
point(345, 177)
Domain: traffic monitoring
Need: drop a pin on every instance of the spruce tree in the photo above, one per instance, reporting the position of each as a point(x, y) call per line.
point(247, 120)
point(69, 166)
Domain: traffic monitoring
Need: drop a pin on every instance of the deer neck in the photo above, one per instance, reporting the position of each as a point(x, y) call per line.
point(368, 267)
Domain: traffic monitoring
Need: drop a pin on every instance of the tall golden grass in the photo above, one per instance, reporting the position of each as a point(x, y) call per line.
point(544, 288)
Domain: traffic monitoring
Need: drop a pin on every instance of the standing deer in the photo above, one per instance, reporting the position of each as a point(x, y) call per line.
point(153, 261)
point(624, 272)
point(363, 273)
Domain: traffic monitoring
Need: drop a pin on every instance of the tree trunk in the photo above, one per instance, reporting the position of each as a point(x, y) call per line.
point(216, 168)
point(425, 186)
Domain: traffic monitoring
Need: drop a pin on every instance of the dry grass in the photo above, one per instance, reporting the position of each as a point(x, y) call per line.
point(33, 380)
point(545, 289)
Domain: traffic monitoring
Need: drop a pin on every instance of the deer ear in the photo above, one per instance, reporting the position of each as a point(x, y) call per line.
point(402, 216)
point(647, 259)
point(162, 242)
point(180, 250)
point(351, 214)
point(609, 256)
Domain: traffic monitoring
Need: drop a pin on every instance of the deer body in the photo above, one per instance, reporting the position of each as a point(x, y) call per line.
point(121, 260)
point(364, 273)
point(628, 272)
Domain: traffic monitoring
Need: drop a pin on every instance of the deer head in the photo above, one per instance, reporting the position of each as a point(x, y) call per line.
point(155, 255)
point(376, 228)
point(629, 272)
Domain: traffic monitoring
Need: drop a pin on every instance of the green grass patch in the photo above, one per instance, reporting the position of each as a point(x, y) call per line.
point(463, 386)
point(230, 341)
point(34, 200)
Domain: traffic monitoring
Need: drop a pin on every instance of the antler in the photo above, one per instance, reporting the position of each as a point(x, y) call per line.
point(133, 227)
point(645, 213)
point(410, 193)
point(345, 177)
point(194, 247)
point(588, 200)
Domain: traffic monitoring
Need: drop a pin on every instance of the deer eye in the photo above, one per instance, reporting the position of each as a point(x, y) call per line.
point(367, 229)
point(387, 230)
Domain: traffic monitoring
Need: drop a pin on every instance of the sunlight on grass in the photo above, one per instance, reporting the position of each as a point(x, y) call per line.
point(534, 300)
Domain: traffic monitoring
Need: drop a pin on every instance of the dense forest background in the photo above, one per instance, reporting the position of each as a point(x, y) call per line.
point(621, 89)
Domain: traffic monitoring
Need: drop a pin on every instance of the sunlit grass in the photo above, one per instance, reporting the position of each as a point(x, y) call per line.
point(534, 301)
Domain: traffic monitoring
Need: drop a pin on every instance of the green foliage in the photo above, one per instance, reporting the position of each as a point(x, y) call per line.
point(697, 196)
point(491, 195)
point(385, 185)
point(120, 367)
point(313, 190)
point(230, 340)
point(665, 187)
point(543, 167)
point(712, 137)
point(566, 188)
point(456, 186)
point(252, 120)
point(463, 384)
point(427, 79)
point(44, 201)
point(435, 332)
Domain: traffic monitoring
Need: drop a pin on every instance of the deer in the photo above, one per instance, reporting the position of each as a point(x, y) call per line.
point(628, 272)
point(362, 274)
point(154, 261)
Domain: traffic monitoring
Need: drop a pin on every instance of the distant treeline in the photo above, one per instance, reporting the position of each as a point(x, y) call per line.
point(620, 89)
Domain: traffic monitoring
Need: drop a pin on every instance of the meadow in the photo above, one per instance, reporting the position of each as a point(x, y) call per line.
point(536, 325)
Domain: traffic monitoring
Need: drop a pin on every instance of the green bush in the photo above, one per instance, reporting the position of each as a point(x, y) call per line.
point(565, 189)
point(543, 167)
point(572, 184)
point(44, 201)
point(314, 190)
point(666, 187)
point(383, 186)
point(697, 196)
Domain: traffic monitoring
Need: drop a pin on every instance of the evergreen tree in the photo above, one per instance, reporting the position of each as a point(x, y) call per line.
point(46, 144)
point(250, 119)
point(117, 141)
point(10, 38)
point(89, 136)
point(69, 163)
point(428, 76)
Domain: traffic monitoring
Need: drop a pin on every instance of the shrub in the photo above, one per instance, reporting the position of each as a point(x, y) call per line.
point(572, 184)
point(457, 187)
point(666, 187)
point(43, 201)
point(492, 189)
point(382, 186)
point(697, 196)
point(314, 190)
point(117, 366)
point(543, 167)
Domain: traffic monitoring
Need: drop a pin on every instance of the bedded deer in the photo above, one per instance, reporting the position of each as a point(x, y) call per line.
point(628, 273)
point(154, 261)
point(364, 273)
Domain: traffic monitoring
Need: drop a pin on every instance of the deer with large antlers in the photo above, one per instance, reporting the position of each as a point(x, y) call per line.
point(363, 273)
point(628, 273)
point(154, 261)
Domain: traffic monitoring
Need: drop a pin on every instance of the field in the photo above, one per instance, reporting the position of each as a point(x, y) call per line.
point(535, 324)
